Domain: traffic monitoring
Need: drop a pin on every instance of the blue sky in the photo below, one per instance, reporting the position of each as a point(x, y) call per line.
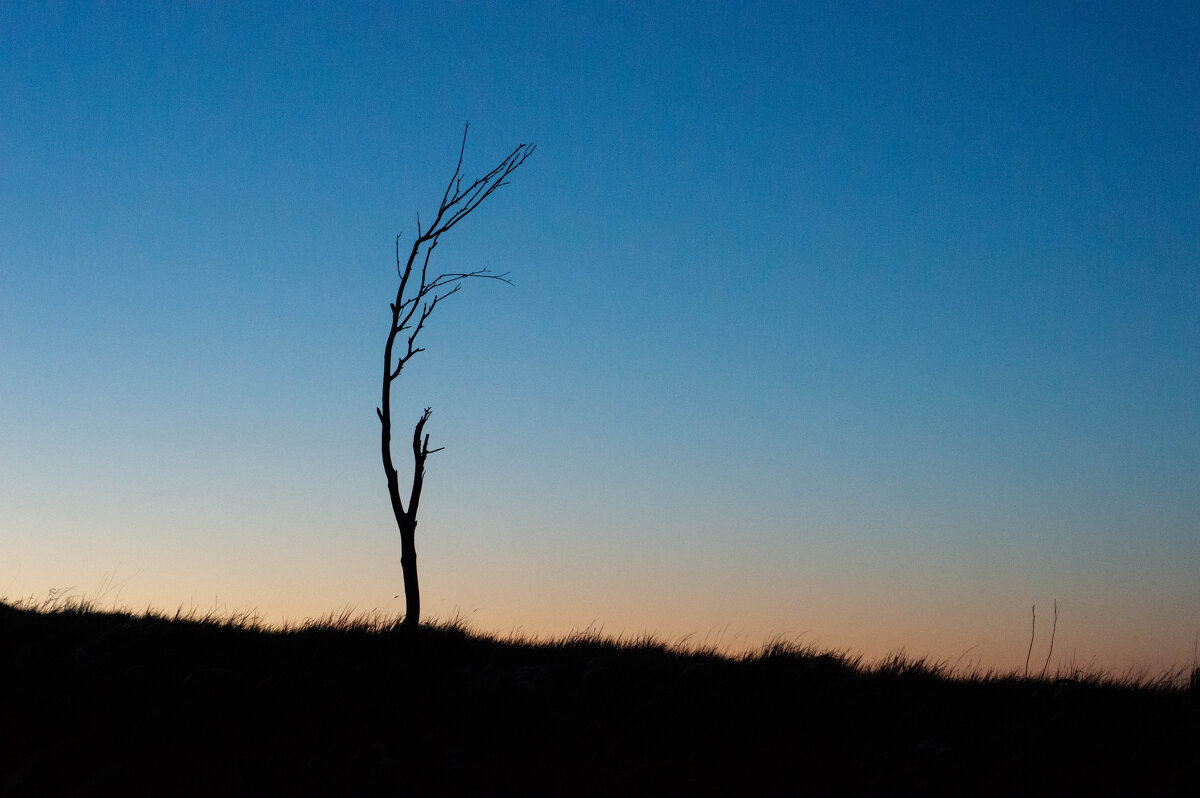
point(872, 324)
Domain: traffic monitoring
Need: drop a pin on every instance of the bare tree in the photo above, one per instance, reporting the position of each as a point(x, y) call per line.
point(416, 298)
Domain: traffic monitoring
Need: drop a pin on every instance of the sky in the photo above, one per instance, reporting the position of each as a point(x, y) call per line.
point(865, 325)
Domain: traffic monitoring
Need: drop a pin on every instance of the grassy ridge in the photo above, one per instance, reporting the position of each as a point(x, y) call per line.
point(145, 704)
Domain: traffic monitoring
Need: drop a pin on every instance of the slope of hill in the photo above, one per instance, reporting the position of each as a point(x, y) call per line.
point(119, 703)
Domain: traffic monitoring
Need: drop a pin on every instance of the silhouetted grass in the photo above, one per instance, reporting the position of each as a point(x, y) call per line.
point(117, 702)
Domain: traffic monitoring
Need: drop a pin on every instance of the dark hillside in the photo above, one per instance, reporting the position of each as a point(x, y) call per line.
point(99, 703)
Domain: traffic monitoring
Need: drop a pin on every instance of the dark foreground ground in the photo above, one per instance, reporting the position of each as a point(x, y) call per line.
point(98, 703)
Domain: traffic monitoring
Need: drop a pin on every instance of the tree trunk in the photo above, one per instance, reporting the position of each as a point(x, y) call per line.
point(406, 518)
point(406, 522)
point(408, 566)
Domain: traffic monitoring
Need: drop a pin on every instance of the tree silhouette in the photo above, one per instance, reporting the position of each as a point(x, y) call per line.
point(416, 298)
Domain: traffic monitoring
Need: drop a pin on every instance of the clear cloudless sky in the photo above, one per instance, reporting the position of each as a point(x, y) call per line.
point(868, 325)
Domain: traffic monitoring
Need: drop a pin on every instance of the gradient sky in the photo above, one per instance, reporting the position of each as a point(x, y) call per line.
point(870, 325)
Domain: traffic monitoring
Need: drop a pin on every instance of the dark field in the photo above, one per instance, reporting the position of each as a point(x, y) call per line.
point(110, 703)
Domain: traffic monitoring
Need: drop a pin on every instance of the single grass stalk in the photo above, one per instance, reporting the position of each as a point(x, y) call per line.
point(1032, 633)
point(1053, 629)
